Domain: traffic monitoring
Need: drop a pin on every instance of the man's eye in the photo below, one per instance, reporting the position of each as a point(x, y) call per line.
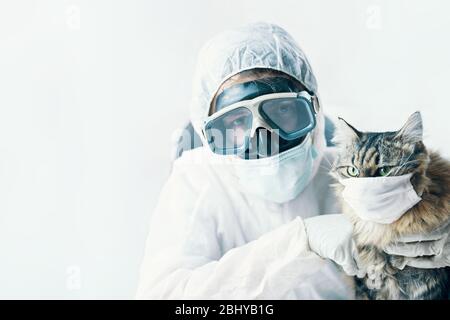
point(352, 171)
point(233, 123)
point(283, 110)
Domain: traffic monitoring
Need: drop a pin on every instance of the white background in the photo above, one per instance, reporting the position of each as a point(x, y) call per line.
point(91, 91)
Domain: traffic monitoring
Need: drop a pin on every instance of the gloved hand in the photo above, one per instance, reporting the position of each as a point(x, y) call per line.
point(423, 251)
point(330, 236)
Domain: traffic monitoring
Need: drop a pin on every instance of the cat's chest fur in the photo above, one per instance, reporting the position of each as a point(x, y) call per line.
point(368, 232)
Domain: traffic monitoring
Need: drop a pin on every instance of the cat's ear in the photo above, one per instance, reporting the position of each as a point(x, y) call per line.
point(412, 130)
point(345, 132)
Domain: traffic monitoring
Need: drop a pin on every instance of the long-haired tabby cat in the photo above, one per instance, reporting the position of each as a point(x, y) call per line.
point(372, 154)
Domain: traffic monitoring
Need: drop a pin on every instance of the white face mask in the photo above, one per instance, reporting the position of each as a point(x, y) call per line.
point(278, 178)
point(380, 199)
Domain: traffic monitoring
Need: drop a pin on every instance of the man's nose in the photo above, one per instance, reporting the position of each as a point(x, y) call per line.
point(263, 143)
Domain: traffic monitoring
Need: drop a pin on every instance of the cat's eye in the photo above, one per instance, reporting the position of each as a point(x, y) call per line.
point(384, 171)
point(352, 171)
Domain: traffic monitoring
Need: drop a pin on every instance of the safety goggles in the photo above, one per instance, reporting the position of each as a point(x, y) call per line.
point(290, 115)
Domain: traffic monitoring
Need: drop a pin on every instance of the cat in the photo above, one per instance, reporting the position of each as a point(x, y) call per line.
point(394, 154)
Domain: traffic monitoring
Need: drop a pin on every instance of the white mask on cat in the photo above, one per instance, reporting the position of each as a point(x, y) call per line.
point(380, 199)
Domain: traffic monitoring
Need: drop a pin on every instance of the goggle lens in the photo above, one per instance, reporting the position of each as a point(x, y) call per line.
point(228, 133)
point(293, 117)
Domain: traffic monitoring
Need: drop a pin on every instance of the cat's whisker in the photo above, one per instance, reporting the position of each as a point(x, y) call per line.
point(328, 161)
point(325, 167)
point(407, 162)
point(398, 168)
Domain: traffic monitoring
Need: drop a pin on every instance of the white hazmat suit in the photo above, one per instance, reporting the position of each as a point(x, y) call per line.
point(209, 239)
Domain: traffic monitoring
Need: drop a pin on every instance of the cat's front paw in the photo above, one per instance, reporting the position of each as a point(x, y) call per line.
point(375, 276)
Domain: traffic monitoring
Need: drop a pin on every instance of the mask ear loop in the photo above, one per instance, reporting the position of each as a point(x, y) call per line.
point(318, 133)
point(316, 107)
point(315, 103)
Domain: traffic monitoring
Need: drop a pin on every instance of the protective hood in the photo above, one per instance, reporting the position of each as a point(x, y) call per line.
point(258, 45)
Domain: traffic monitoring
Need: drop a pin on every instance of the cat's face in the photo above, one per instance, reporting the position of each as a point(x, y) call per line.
point(374, 154)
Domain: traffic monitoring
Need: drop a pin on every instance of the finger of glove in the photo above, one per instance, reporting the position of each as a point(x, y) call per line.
point(416, 249)
point(426, 263)
point(343, 256)
point(400, 263)
point(327, 234)
point(437, 234)
point(350, 269)
point(432, 236)
point(439, 261)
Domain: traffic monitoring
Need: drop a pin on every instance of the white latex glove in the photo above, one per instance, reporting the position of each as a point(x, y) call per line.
point(330, 236)
point(423, 251)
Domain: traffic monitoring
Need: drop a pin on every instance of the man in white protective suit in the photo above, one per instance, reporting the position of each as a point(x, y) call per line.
point(252, 214)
